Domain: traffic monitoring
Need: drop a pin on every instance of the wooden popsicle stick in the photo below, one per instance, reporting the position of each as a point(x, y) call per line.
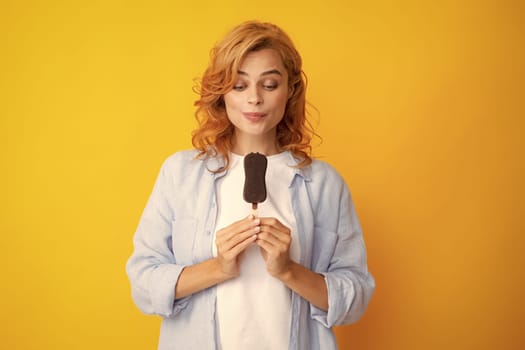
point(254, 209)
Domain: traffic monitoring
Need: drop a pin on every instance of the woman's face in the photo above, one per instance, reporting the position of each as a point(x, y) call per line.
point(257, 101)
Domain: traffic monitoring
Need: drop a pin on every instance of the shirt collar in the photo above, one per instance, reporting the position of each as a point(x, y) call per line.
point(218, 162)
point(305, 172)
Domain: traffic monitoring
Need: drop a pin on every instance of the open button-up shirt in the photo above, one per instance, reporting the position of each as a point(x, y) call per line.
point(176, 230)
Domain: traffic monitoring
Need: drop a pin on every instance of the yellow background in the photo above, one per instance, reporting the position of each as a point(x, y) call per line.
point(421, 110)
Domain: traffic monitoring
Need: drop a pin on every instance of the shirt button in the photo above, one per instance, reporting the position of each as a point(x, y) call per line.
point(208, 232)
point(213, 204)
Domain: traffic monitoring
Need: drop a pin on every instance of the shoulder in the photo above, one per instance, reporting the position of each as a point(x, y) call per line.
point(324, 182)
point(183, 164)
point(179, 158)
point(321, 171)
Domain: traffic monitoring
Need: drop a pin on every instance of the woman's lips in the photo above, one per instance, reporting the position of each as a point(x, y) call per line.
point(253, 116)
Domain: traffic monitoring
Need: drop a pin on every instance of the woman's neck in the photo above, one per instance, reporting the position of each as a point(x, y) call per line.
point(244, 145)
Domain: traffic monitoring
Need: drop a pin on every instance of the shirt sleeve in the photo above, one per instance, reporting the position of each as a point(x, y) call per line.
point(341, 259)
point(152, 268)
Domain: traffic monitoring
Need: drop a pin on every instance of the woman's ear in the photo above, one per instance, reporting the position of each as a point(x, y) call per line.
point(291, 90)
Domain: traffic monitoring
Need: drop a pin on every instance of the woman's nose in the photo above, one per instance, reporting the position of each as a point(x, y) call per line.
point(254, 96)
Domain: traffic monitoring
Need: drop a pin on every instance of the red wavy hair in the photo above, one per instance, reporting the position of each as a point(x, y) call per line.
point(213, 137)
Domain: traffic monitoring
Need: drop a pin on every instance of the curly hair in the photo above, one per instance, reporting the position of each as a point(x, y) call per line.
point(213, 137)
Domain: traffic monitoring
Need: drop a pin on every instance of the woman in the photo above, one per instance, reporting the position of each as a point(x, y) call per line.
point(221, 277)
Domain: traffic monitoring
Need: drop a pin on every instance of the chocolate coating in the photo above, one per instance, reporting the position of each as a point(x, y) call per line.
point(254, 182)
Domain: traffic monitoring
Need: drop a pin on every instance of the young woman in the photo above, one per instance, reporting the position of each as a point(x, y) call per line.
point(221, 277)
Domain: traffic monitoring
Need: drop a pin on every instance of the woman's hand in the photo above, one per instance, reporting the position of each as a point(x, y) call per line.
point(232, 240)
point(275, 239)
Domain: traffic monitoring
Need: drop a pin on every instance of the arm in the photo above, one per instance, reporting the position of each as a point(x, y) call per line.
point(275, 239)
point(230, 241)
point(338, 296)
point(198, 277)
point(340, 256)
point(152, 268)
point(308, 284)
point(160, 284)
point(339, 259)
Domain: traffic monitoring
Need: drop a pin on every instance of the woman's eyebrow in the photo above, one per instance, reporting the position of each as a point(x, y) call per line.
point(268, 72)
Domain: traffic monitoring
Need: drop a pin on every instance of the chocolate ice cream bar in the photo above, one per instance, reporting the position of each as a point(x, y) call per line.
point(254, 182)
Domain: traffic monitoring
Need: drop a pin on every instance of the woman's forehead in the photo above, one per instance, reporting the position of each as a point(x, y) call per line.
point(263, 62)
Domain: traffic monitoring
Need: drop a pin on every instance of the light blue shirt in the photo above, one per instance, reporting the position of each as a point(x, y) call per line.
point(176, 230)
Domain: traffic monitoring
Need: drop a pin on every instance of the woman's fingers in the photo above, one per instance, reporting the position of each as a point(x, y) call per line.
point(232, 240)
point(274, 232)
point(237, 227)
point(275, 239)
point(270, 234)
point(235, 238)
point(266, 247)
point(241, 246)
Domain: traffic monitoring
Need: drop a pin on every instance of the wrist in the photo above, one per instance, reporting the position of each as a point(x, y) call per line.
point(287, 274)
point(220, 274)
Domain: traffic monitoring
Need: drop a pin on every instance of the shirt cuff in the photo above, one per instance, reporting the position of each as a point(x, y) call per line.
point(339, 301)
point(162, 290)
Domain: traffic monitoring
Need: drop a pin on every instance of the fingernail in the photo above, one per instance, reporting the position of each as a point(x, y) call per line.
point(257, 229)
point(257, 221)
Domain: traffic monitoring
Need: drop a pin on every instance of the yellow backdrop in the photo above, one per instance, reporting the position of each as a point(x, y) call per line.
point(421, 110)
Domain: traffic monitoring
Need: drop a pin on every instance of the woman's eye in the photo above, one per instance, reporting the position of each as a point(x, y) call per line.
point(239, 87)
point(270, 86)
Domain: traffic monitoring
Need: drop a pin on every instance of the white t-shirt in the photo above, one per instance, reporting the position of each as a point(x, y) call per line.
point(254, 309)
